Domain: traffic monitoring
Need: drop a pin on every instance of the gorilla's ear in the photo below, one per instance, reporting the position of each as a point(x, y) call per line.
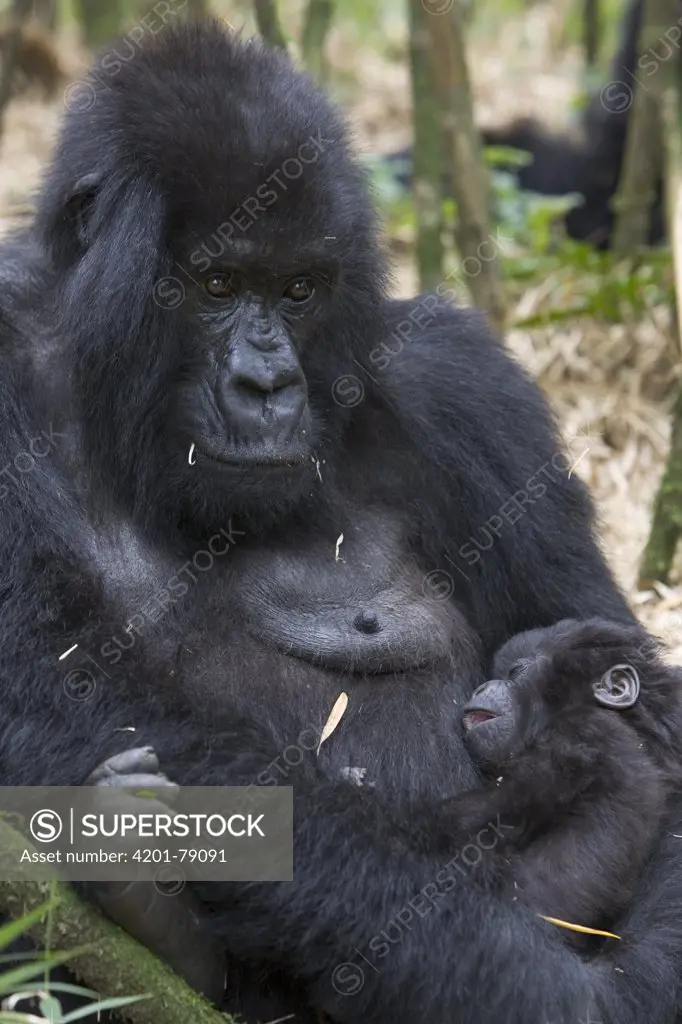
point(78, 206)
point(618, 688)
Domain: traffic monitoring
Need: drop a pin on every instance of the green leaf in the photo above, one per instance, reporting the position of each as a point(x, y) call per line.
point(11, 1017)
point(506, 156)
point(51, 1009)
point(105, 1004)
point(60, 986)
point(14, 929)
point(553, 316)
point(12, 981)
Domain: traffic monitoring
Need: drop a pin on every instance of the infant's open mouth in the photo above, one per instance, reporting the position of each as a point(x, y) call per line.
point(474, 718)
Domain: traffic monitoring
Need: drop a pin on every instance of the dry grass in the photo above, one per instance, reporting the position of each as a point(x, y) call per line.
point(606, 385)
point(610, 385)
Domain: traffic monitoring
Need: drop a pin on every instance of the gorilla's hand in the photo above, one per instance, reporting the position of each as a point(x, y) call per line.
point(171, 926)
point(132, 768)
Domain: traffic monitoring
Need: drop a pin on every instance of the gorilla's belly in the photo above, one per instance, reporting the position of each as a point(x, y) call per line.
point(356, 603)
point(375, 629)
point(292, 625)
point(305, 614)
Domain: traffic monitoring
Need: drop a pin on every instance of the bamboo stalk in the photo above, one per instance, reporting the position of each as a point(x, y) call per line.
point(268, 23)
point(466, 167)
point(427, 151)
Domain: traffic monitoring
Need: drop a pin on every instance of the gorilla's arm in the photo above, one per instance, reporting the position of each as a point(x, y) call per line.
point(508, 517)
point(326, 926)
point(638, 979)
point(383, 952)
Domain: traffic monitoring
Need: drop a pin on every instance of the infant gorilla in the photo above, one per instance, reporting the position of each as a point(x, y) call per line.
point(582, 764)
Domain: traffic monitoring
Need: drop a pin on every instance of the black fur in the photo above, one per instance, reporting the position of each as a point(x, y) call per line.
point(449, 443)
point(581, 790)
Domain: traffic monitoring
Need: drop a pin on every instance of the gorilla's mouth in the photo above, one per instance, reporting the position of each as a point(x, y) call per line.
point(477, 717)
point(270, 462)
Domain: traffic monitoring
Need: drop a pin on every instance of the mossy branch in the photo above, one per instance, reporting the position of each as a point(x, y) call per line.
point(643, 158)
point(666, 527)
point(111, 962)
point(591, 31)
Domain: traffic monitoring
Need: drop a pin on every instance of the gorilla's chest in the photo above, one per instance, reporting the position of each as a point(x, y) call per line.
point(342, 610)
point(285, 626)
point(349, 599)
point(352, 601)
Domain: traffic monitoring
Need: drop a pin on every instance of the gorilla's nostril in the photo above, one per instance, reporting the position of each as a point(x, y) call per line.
point(261, 409)
point(262, 385)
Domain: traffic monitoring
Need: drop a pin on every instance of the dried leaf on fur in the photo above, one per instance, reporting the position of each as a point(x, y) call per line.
point(335, 717)
point(579, 927)
point(354, 775)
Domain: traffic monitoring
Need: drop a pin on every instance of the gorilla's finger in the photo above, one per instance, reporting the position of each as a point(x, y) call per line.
point(141, 782)
point(139, 759)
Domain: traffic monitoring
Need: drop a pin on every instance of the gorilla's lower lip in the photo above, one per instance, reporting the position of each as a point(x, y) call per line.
point(477, 717)
point(272, 462)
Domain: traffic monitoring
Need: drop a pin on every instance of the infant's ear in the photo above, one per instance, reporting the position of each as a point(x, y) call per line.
point(618, 688)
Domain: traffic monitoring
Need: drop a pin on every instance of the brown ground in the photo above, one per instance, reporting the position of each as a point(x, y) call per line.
point(608, 384)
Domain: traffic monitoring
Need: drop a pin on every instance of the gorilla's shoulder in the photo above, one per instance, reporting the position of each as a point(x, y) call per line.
point(430, 328)
point(451, 360)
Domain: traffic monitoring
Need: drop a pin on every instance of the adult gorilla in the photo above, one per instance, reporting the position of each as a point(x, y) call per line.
point(210, 161)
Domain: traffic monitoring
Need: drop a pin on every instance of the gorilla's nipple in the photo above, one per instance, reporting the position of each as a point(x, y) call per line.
point(367, 622)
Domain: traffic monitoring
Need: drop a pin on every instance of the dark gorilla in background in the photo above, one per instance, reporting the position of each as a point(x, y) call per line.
point(185, 333)
point(590, 162)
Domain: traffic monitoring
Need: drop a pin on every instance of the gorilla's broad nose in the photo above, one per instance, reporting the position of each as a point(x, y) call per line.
point(260, 381)
point(266, 394)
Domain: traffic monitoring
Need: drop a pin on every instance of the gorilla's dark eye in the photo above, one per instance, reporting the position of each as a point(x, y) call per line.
point(301, 289)
point(220, 286)
point(517, 670)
